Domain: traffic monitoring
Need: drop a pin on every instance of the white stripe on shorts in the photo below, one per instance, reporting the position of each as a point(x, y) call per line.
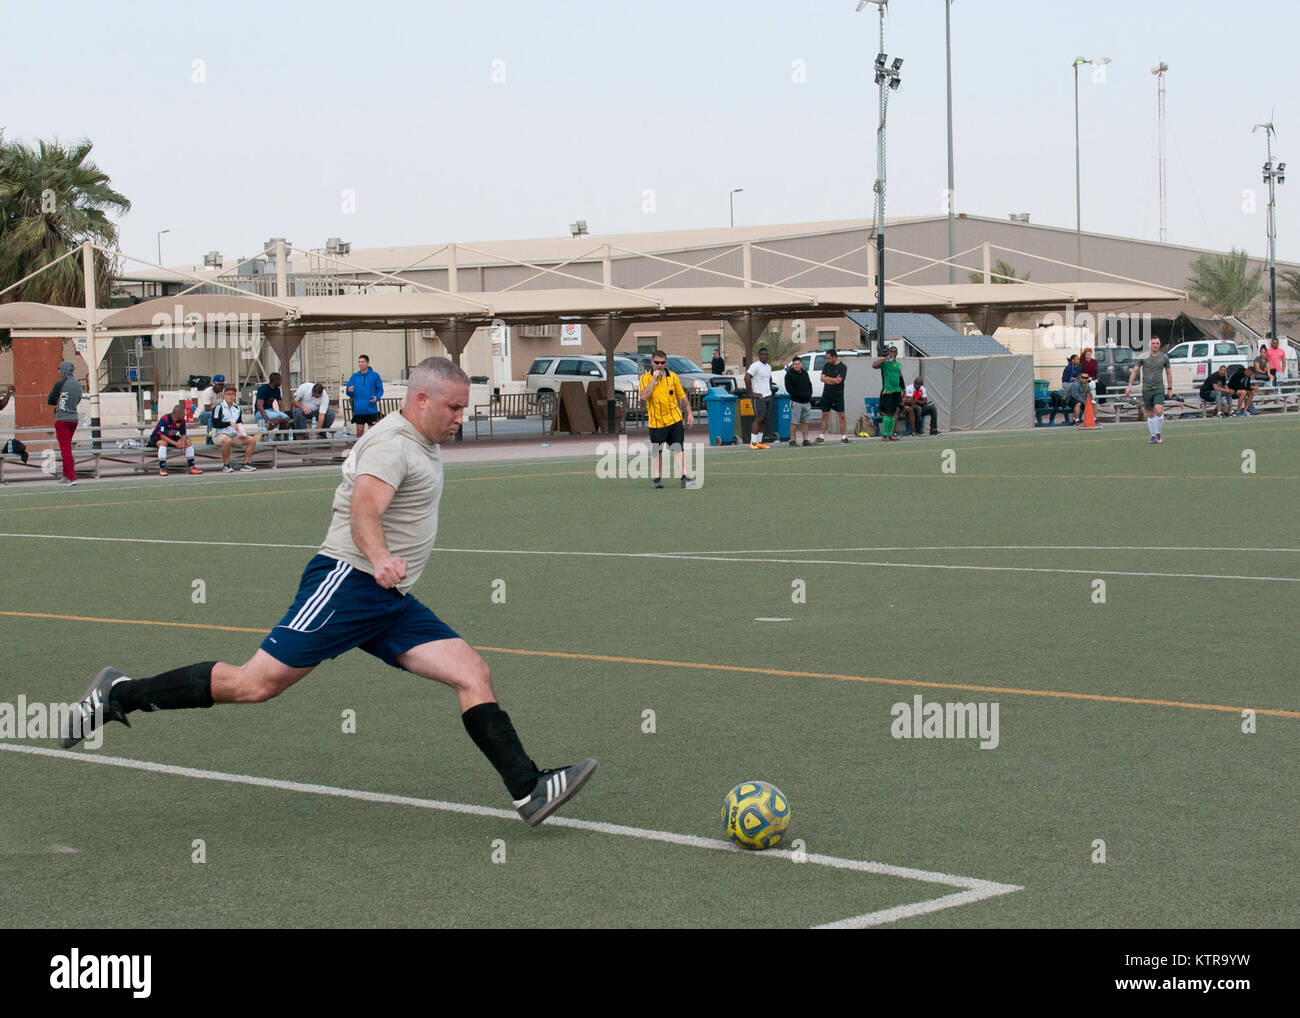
point(320, 597)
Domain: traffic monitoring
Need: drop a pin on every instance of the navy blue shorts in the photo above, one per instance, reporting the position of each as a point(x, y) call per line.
point(339, 607)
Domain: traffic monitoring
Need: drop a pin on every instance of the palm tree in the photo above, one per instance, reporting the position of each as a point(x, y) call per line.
point(1289, 288)
point(52, 197)
point(989, 319)
point(1224, 283)
point(999, 272)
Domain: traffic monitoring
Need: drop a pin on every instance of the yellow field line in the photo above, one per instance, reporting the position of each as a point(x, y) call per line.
point(706, 666)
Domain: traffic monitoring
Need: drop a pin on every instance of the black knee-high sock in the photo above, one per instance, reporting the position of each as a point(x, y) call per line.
point(190, 686)
point(490, 728)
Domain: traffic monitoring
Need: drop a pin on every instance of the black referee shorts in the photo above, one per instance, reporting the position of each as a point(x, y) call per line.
point(673, 435)
point(889, 403)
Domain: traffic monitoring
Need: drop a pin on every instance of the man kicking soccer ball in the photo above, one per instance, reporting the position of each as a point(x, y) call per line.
point(356, 593)
point(1153, 389)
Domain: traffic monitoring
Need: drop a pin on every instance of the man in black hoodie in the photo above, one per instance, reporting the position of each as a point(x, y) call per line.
point(64, 397)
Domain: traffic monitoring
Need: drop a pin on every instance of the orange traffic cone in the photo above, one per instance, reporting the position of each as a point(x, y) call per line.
point(1089, 419)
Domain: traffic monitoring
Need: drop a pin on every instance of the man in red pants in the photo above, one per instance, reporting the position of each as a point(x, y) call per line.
point(64, 397)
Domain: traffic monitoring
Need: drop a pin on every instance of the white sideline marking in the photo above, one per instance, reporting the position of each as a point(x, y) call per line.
point(973, 890)
point(715, 557)
point(774, 620)
point(990, 547)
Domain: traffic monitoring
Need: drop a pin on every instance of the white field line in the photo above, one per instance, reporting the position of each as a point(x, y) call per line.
point(720, 557)
point(972, 889)
point(988, 547)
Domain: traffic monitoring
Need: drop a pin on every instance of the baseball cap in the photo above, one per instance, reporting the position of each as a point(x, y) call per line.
point(218, 378)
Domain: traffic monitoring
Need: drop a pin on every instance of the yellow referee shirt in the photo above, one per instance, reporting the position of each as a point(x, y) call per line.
point(662, 408)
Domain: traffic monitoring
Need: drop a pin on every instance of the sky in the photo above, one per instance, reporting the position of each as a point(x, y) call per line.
point(395, 123)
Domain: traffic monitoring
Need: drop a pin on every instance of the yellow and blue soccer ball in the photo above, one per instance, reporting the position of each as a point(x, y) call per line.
point(755, 815)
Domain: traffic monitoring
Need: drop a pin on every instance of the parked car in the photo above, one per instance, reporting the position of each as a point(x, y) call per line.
point(546, 373)
point(1114, 365)
point(1193, 360)
point(694, 378)
point(813, 362)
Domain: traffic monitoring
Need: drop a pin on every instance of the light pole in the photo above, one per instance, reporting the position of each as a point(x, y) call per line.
point(952, 193)
point(731, 200)
point(1078, 204)
point(1274, 173)
point(160, 233)
point(887, 79)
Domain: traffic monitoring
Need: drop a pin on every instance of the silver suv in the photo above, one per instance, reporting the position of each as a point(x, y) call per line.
point(546, 373)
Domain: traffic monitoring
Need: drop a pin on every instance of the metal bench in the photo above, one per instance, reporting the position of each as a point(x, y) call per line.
point(511, 406)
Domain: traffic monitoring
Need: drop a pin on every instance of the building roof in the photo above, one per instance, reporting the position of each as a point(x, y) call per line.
point(931, 337)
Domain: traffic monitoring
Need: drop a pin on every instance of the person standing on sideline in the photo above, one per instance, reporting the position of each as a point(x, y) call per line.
point(356, 592)
point(798, 383)
point(834, 371)
point(665, 401)
point(65, 397)
point(1153, 387)
point(758, 385)
point(718, 365)
point(366, 389)
point(1276, 360)
point(891, 392)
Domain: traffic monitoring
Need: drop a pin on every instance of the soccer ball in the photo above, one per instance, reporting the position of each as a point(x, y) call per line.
point(755, 815)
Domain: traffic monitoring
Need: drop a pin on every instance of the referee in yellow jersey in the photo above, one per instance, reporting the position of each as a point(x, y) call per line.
point(665, 401)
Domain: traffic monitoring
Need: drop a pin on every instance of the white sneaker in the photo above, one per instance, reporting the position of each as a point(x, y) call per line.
point(226, 468)
point(247, 468)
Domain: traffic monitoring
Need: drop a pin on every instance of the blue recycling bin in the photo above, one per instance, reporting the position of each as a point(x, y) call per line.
point(783, 416)
point(720, 405)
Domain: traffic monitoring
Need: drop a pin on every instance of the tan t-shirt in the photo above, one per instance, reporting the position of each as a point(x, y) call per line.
point(397, 454)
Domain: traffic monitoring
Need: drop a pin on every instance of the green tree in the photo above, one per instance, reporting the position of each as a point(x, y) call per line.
point(999, 272)
point(1224, 283)
point(780, 351)
point(52, 197)
point(988, 319)
point(1288, 288)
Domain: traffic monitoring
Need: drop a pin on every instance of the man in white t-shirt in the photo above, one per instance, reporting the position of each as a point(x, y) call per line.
point(209, 398)
point(758, 384)
point(311, 407)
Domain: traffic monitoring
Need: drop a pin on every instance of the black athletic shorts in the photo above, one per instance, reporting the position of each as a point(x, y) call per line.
point(365, 418)
point(833, 401)
point(889, 403)
point(674, 434)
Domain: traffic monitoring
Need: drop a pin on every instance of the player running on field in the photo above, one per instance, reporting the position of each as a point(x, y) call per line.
point(1153, 387)
point(356, 593)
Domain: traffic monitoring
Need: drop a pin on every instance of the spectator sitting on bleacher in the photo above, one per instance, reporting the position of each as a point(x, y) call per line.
point(169, 432)
point(1215, 390)
point(1243, 388)
point(1077, 395)
point(312, 402)
point(209, 398)
point(924, 406)
point(907, 409)
point(265, 410)
point(1261, 374)
point(226, 428)
point(1071, 371)
point(13, 447)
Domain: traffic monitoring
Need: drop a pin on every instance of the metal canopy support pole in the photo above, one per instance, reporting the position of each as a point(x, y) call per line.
point(609, 332)
point(92, 353)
